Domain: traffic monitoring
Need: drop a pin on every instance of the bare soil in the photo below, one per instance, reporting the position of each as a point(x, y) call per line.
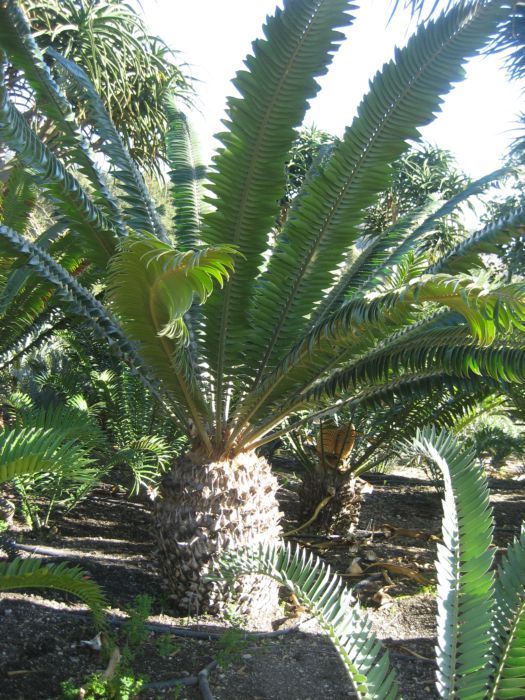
point(109, 536)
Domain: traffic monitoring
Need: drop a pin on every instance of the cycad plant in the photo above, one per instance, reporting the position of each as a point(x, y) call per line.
point(308, 323)
point(480, 650)
point(48, 453)
point(25, 452)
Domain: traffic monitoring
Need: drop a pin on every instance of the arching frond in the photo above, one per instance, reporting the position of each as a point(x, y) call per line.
point(140, 213)
point(508, 638)
point(324, 595)
point(326, 220)
point(24, 451)
point(17, 41)
point(32, 573)
point(187, 176)
point(63, 190)
point(465, 582)
point(152, 286)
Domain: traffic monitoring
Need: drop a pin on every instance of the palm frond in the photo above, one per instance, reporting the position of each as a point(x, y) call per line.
point(17, 199)
point(248, 175)
point(407, 389)
point(152, 286)
point(325, 221)
point(334, 606)
point(140, 213)
point(466, 254)
point(32, 573)
point(64, 191)
point(13, 348)
point(187, 176)
point(508, 638)
point(17, 41)
point(465, 582)
point(359, 324)
point(24, 451)
point(83, 303)
point(74, 423)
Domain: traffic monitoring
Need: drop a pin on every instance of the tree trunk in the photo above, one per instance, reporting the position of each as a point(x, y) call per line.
point(204, 509)
point(341, 514)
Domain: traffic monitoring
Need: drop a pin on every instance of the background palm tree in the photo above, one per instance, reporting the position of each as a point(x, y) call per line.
point(131, 70)
point(304, 326)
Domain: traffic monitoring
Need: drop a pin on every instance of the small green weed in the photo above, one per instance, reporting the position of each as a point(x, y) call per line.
point(231, 644)
point(120, 687)
point(166, 646)
point(124, 684)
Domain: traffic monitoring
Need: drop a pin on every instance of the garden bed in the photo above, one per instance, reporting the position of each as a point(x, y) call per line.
point(109, 536)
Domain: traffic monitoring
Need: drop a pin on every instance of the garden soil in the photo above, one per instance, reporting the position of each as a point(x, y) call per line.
point(390, 562)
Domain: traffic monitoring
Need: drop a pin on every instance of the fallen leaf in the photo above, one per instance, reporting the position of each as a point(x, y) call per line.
point(114, 661)
point(401, 570)
point(354, 569)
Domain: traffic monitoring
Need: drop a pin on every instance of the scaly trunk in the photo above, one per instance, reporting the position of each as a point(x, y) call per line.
point(341, 514)
point(204, 509)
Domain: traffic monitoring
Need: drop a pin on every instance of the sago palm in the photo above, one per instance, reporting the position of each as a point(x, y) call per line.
point(317, 319)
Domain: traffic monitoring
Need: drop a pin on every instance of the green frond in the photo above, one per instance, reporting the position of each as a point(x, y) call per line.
point(466, 255)
point(17, 199)
point(64, 191)
point(465, 582)
point(445, 349)
point(147, 458)
point(371, 262)
point(13, 348)
point(32, 573)
point(334, 606)
point(16, 40)
point(82, 303)
point(398, 422)
point(325, 221)
point(73, 422)
point(508, 634)
point(187, 176)
point(19, 276)
point(394, 254)
point(407, 390)
point(248, 175)
point(151, 287)
point(24, 451)
point(140, 213)
point(357, 326)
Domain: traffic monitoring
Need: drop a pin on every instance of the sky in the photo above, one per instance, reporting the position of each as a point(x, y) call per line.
point(477, 123)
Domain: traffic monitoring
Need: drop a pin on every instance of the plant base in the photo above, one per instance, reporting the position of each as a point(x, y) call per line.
point(204, 509)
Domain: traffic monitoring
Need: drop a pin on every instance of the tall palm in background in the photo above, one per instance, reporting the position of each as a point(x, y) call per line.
point(131, 70)
point(319, 319)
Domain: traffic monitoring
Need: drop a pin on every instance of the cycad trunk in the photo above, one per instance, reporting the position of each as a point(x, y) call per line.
point(207, 508)
point(341, 514)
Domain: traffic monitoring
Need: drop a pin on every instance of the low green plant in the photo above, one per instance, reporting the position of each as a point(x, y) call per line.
point(99, 688)
point(480, 649)
point(231, 645)
point(134, 630)
point(121, 683)
point(49, 454)
point(166, 646)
